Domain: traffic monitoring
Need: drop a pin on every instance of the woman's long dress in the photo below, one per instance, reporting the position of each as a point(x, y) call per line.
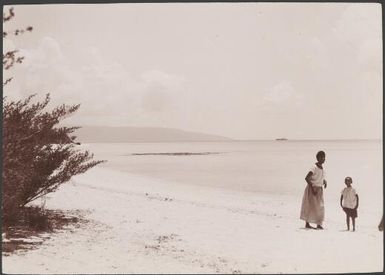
point(312, 209)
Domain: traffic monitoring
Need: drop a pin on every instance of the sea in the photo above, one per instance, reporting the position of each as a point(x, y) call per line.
point(261, 167)
point(252, 166)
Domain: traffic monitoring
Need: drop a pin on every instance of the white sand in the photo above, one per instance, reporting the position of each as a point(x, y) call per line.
point(200, 230)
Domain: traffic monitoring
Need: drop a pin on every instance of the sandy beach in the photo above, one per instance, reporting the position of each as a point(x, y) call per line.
point(195, 126)
point(142, 225)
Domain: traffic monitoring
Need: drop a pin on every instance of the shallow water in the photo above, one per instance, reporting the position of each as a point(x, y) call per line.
point(277, 167)
point(262, 166)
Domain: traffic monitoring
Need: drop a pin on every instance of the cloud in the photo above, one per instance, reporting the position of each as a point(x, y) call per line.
point(322, 71)
point(369, 55)
point(39, 70)
point(359, 22)
point(160, 90)
point(109, 94)
point(282, 94)
point(8, 45)
point(358, 33)
point(167, 80)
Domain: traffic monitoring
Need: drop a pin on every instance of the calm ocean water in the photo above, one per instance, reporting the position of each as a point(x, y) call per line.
point(254, 166)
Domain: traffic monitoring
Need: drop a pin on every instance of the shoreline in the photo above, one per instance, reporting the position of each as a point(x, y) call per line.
point(142, 225)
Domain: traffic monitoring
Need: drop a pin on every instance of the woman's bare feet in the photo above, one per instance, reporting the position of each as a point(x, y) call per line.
point(307, 225)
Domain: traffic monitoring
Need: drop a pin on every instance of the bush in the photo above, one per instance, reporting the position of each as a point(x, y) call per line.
point(38, 155)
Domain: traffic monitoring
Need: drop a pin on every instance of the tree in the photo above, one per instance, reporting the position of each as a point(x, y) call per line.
point(10, 58)
point(38, 154)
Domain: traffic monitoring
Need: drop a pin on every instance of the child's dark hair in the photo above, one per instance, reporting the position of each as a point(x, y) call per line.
point(320, 154)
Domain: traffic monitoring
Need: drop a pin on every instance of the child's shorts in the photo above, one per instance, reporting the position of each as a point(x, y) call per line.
point(350, 212)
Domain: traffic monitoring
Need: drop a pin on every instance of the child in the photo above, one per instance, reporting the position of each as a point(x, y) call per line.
point(349, 202)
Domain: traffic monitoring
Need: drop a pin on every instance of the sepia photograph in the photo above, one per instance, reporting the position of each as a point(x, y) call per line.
point(192, 138)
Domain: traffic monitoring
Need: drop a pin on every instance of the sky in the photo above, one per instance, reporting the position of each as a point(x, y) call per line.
point(240, 70)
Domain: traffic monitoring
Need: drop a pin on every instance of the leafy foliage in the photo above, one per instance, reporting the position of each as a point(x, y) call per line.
point(38, 154)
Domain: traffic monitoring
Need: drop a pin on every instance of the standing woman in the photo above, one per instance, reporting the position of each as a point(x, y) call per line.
point(312, 210)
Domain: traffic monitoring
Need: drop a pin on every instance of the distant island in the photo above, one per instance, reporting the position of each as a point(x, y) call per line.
point(101, 134)
point(175, 154)
point(281, 139)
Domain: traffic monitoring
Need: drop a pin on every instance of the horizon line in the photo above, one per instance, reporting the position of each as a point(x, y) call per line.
point(230, 140)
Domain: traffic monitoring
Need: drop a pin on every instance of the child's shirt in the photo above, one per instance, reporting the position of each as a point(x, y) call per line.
point(349, 199)
point(318, 176)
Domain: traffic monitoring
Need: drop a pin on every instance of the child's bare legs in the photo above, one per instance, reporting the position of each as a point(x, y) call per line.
point(348, 222)
point(354, 223)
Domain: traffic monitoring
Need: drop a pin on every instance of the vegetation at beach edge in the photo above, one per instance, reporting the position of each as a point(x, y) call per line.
point(39, 155)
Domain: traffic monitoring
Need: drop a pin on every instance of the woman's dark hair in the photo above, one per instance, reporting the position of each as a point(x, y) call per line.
point(320, 154)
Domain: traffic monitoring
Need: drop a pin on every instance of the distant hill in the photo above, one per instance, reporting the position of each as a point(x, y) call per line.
point(140, 134)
